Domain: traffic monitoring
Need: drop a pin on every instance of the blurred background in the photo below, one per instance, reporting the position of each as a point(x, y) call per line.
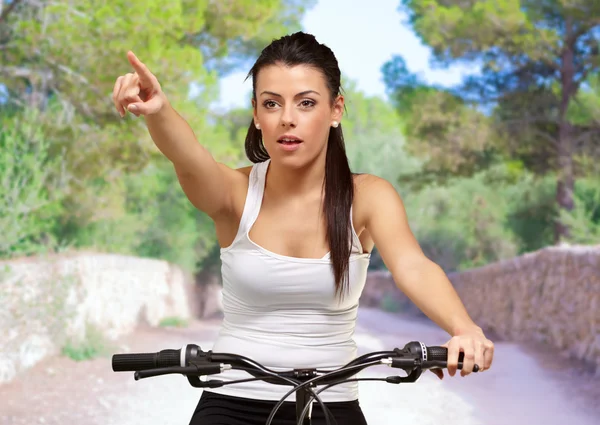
point(485, 115)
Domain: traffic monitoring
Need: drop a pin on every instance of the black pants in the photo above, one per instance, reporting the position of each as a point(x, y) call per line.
point(218, 409)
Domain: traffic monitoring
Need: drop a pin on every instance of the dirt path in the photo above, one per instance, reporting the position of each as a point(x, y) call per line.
point(523, 387)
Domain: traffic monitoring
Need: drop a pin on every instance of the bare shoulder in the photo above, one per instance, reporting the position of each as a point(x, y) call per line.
point(237, 177)
point(373, 190)
point(235, 173)
point(375, 201)
point(244, 170)
point(384, 216)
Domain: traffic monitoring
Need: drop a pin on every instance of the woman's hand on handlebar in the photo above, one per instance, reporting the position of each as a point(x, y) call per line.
point(478, 350)
point(138, 92)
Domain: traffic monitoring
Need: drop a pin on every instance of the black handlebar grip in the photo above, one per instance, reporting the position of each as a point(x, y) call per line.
point(142, 361)
point(441, 354)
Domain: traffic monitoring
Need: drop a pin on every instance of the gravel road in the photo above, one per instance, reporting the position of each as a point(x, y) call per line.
point(524, 386)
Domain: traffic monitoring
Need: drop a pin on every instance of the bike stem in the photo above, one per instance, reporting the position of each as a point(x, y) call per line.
point(302, 397)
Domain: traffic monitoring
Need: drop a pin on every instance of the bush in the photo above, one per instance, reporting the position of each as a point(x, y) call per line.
point(462, 225)
point(33, 185)
point(176, 322)
point(584, 219)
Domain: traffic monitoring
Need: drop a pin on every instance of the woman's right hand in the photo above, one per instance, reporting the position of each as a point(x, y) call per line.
point(138, 92)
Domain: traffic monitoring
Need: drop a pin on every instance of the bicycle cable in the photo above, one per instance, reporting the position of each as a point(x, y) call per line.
point(305, 411)
point(297, 384)
point(310, 381)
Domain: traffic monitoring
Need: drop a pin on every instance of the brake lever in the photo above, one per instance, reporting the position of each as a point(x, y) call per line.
point(411, 377)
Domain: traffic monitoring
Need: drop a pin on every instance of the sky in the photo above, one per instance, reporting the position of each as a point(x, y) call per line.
point(363, 35)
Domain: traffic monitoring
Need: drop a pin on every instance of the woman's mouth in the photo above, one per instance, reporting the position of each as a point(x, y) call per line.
point(289, 142)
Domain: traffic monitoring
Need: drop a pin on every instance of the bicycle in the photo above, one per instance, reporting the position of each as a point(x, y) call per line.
point(194, 363)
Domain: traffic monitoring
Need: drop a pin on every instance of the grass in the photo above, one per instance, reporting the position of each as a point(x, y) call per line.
point(94, 345)
point(175, 322)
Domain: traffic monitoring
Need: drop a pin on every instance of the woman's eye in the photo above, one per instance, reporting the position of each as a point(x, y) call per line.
point(272, 104)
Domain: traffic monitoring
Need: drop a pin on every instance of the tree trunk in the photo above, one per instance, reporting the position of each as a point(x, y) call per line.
point(9, 8)
point(565, 184)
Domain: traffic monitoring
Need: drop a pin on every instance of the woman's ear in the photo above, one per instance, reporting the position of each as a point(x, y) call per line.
point(254, 113)
point(338, 109)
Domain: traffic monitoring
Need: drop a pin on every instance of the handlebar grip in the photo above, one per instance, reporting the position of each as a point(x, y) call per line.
point(435, 353)
point(441, 354)
point(142, 361)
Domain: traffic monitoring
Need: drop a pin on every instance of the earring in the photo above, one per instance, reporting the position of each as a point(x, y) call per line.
point(257, 126)
point(334, 124)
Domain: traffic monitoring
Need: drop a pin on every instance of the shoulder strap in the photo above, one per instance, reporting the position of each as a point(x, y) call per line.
point(356, 246)
point(256, 188)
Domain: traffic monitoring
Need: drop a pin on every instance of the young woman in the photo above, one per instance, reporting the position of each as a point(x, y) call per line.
point(296, 230)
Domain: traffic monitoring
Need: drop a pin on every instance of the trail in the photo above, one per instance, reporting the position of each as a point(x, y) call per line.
point(522, 388)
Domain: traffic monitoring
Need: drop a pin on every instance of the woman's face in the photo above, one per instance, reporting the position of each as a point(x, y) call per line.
point(294, 110)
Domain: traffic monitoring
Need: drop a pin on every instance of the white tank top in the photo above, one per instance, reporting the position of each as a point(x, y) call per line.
point(283, 311)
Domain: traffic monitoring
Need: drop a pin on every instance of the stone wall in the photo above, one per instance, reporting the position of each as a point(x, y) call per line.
point(47, 301)
point(550, 296)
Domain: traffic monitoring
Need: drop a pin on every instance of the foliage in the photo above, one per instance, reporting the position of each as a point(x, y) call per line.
point(529, 104)
point(60, 60)
point(146, 214)
point(584, 219)
point(227, 48)
point(531, 211)
point(94, 344)
point(462, 225)
point(477, 165)
point(54, 49)
point(33, 184)
point(172, 321)
point(374, 136)
point(473, 221)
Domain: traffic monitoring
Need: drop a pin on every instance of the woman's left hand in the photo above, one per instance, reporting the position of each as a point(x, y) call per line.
point(478, 351)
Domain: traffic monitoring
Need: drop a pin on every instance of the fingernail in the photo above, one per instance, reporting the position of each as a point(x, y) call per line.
point(132, 108)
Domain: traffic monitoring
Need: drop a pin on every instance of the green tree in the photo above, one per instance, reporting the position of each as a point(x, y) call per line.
point(374, 141)
point(374, 136)
point(535, 58)
point(30, 197)
point(70, 53)
point(61, 59)
point(451, 138)
point(463, 224)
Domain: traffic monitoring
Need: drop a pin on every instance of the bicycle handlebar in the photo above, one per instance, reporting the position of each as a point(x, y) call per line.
point(192, 362)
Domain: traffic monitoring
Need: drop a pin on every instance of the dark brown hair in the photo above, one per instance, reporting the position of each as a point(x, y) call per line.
point(303, 49)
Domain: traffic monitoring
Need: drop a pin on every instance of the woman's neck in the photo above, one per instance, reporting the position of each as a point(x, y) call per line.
point(284, 181)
